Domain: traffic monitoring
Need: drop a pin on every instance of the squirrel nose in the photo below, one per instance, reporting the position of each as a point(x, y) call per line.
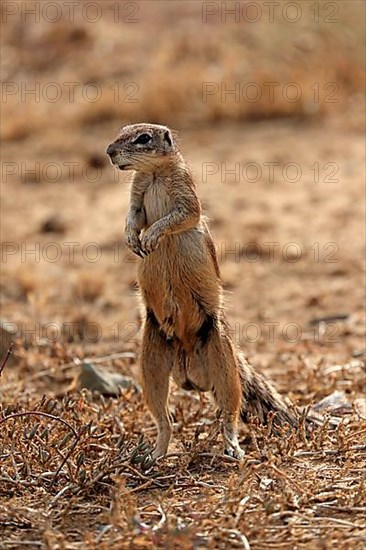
point(111, 149)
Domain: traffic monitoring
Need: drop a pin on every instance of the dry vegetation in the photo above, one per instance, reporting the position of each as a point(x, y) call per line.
point(70, 476)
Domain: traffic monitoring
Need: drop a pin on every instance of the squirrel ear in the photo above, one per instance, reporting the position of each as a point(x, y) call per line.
point(168, 138)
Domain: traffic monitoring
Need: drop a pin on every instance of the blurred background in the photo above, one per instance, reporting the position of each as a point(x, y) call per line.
point(268, 100)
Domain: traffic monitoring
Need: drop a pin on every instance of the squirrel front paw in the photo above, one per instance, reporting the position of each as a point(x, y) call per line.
point(150, 241)
point(132, 240)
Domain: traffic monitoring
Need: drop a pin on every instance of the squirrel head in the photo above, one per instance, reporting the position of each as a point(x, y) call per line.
point(142, 147)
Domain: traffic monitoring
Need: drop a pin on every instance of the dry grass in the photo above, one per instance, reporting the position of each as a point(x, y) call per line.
point(168, 85)
point(70, 474)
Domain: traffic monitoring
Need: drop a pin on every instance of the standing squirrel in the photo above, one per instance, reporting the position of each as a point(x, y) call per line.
point(185, 331)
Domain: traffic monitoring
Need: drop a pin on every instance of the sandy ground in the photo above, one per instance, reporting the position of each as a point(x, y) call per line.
point(286, 212)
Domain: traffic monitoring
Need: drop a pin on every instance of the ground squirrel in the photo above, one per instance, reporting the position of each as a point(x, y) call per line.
point(185, 332)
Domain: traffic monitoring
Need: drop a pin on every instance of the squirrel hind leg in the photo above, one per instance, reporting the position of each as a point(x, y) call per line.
point(230, 433)
point(219, 360)
point(157, 359)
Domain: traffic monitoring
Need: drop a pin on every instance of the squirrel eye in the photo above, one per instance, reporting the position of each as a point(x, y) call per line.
point(143, 138)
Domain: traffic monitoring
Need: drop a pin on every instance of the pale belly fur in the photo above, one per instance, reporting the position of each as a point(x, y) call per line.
point(177, 280)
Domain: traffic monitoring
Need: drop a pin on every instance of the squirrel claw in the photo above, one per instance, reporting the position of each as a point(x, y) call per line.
point(143, 455)
point(236, 452)
point(147, 461)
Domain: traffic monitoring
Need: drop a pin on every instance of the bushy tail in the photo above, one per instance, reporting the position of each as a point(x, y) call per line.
point(260, 398)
